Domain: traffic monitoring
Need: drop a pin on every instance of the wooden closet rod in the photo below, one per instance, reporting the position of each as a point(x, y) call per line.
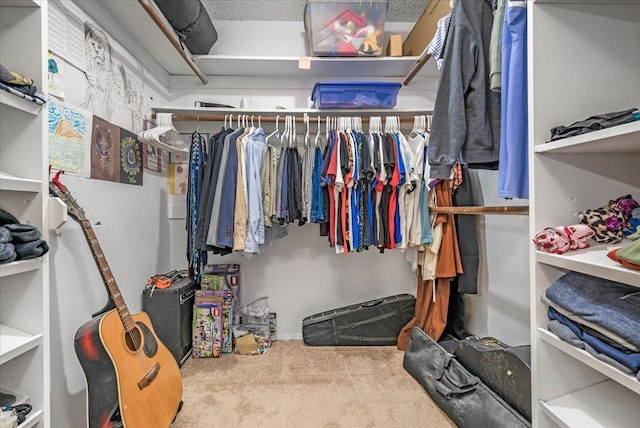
point(271, 119)
point(480, 210)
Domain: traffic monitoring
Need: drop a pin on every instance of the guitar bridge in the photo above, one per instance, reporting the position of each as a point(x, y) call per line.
point(149, 377)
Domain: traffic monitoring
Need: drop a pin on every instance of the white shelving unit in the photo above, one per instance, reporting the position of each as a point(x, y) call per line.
point(24, 287)
point(566, 84)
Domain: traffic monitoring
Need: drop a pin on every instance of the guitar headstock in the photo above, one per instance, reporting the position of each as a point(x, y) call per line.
point(59, 190)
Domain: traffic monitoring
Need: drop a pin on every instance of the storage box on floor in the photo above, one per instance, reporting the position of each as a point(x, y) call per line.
point(345, 28)
point(220, 324)
point(213, 311)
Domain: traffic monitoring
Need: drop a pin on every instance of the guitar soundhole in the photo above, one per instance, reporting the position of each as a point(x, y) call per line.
point(133, 340)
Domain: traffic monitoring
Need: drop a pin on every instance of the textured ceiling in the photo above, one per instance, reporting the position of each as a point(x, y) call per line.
point(293, 10)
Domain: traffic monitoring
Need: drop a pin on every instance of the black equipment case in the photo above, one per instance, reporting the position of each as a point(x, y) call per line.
point(503, 368)
point(373, 323)
point(464, 397)
point(171, 311)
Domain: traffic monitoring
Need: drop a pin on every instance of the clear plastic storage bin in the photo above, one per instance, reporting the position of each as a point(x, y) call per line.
point(330, 95)
point(345, 28)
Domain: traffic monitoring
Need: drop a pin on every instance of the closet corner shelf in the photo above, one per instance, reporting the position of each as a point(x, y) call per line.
point(585, 408)
point(146, 23)
point(19, 103)
point(14, 342)
point(617, 139)
point(17, 184)
point(19, 266)
point(592, 261)
point(611, 372)
point(351, 67)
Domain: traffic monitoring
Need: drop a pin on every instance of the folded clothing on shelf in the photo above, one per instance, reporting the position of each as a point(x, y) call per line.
point(560, 239)
point(613, 221)
point(610, 304)
point(595, 123)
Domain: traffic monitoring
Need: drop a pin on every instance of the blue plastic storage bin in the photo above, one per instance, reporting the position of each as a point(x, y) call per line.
point(355, 94)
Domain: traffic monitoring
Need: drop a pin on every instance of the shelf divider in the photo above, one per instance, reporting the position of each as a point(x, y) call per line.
point(19, 103)
point(623, 379)
point(592, 261)
point(19, 266)
point(14, 342)
point(585, 408)
point(617, 139)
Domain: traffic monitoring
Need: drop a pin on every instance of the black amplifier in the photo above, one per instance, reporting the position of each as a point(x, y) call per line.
point(171, 313)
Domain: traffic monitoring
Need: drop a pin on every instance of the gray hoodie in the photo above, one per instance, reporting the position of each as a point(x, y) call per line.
point(466, 116)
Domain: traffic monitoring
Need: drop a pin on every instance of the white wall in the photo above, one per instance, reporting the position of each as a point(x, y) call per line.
point(130, 222)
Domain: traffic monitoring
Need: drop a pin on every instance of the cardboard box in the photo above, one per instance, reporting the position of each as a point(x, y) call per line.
point(424, 30)
point(394, 48)
point(210, 281)
point(207, 326)
point(232, 274)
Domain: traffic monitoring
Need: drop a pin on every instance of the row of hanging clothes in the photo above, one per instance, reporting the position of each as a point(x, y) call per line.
point(365, 188)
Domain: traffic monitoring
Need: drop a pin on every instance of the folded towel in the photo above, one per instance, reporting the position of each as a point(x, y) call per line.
point(5, 235)
point(7, 253)
point(7, 218)
point(23, 232)
point(33, 249)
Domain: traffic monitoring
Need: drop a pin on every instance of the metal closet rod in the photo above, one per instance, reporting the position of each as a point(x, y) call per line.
point(482, 210)
point(271, 119)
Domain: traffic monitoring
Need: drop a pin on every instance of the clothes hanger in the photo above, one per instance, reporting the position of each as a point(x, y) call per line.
point(285, 133)
point(315, 142)
point(277, 130)
point(306, 135)
point(294, 134)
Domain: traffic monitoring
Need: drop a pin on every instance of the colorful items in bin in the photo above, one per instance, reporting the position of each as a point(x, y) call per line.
point(560, 239)
point(355, 94)
point(345, 28)
point(207, 325)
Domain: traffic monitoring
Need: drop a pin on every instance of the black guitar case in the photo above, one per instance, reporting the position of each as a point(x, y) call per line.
point(376, 322)
point(505, 369)
point(463, 396)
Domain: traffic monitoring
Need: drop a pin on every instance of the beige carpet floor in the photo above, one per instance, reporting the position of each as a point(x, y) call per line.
point(294, 385)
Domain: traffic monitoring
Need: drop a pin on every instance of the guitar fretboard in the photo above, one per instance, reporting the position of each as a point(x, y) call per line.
point(107, 276)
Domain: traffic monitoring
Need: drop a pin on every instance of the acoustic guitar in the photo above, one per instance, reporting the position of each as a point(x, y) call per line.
point(133, 379)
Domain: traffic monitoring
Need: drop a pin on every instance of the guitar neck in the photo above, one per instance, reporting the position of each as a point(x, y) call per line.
point(107, 276)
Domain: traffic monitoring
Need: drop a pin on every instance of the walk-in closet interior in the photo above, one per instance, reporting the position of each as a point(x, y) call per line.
point(151, 109)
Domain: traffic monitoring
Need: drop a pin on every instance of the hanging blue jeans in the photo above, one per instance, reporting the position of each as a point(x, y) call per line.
point(513, 179)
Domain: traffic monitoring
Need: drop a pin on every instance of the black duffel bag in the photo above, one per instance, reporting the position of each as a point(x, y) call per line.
point(463, 397)
point(192, 23)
